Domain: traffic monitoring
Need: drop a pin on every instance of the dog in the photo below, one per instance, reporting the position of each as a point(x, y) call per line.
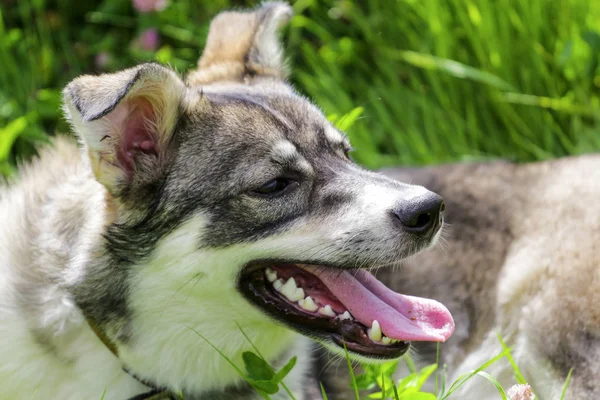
point(222, 212)
point(520, 261)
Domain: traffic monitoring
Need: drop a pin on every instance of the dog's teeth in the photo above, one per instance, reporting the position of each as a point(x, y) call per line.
point(297, 295)
point(386, 340)
point(346, 315)
point(308, 304)
point(278, 284)
point(271, 275)
point(375, 332)
point(327, 311)
point(289, 288)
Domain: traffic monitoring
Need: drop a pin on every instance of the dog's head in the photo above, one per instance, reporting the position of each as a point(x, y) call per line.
point(232, 200)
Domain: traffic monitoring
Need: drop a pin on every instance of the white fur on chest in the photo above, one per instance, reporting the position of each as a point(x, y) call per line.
point(185, 292)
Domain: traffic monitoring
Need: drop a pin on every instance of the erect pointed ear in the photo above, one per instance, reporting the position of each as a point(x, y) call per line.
point(241, 45)
point(126, 121)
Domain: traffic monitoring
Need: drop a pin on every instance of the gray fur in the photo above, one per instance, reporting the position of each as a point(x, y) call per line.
point(530, 230)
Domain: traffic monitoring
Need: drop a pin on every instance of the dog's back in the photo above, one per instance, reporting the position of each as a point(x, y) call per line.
point(520, 259)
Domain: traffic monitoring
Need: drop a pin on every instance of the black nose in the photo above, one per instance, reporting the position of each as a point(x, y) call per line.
point(421, 215)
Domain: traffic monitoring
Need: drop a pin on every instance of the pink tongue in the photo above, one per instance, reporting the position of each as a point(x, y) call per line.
point(401, 317)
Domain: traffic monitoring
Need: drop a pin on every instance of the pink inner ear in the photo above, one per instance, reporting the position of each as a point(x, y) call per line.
point(138, 134)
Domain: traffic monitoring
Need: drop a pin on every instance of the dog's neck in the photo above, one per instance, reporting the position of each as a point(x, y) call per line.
point(179, 305)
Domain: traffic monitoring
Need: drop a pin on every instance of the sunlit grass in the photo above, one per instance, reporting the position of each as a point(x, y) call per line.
point(444, 81)
point(380, 381)
point(435, 81)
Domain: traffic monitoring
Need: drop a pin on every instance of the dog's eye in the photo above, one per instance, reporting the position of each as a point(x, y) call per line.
point(275, 187)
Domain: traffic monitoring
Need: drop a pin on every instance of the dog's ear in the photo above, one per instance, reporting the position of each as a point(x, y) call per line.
point(126, 121)
point(242, 45)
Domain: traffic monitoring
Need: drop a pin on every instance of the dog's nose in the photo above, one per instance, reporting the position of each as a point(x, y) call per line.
point(420, 215)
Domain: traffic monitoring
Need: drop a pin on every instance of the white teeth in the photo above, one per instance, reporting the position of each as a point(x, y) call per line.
point(375, 332)
point(327, 311)
point(308, 304)
point(289, 288)
point(278, 284)
point(386, 340)
point(345, 315)
point(271, 275)
point(297, 295)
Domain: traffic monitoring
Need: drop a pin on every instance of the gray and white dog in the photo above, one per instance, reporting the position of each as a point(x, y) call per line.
point(193, 211)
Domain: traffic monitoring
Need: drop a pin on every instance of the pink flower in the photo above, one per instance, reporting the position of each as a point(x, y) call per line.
point(149, 5)
point(520, 392)
point(149, 39)
point(101, 59)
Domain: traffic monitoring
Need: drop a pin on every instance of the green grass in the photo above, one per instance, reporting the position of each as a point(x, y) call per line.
point(436, 80)
point(455, 80)
point(377, 381)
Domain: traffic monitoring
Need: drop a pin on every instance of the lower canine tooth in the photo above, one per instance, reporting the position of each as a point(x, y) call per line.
point(271, 275)
point(278, 284)
point(308, 304)
point(386, 340)
point(375, 332)
point(327, 311)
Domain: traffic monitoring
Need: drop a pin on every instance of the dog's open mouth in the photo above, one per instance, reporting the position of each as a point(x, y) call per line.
point(346, 307)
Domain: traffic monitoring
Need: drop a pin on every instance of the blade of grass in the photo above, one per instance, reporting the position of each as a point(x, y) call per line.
point(239, 371)
point(437, 362)
point(451, 67)
point(566, 385)
point(468, 375)
point(323, 391)
point(396, 395)
point(494, 382)
point(517, 372)
point(351, 372)
point(444, 378)
point(410, 364)
point(218, 351)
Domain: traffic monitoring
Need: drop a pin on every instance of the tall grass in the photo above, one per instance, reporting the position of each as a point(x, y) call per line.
point(437, 80)
point(379, 381)
point(455, 80)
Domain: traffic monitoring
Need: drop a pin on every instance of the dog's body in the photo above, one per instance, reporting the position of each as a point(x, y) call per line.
point(521, 260)
point(125, 261)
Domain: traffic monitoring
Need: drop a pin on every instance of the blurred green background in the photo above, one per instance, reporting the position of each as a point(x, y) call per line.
point(424, 81)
